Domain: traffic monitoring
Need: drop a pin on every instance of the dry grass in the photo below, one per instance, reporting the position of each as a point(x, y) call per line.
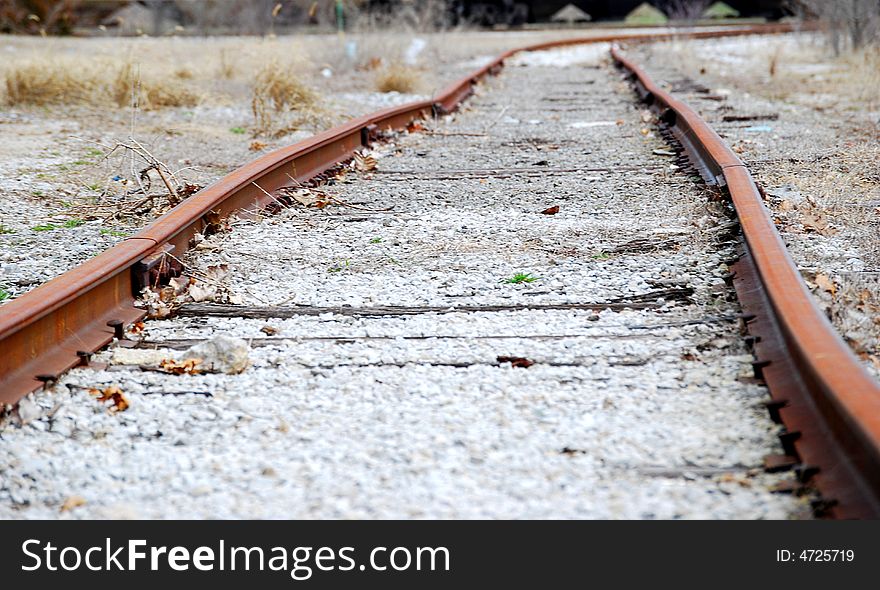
point(47, 83)
point(398, 78)
point(226, 69)
point(129, 88)
point(276, 93)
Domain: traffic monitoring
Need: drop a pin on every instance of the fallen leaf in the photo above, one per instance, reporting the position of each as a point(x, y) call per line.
point(187, 367)
point(137, 328)
point(200, 293)
point(364, 162)
point(732, 478)
point(269, 330)
point(551, 210)
point(311, 197)
point(516, 361)
point(217, 272)
point(72, 502)
point(216, 223)
point(823, 282)
point(111, 394)
point(179, 284)
point(188, 189)
point(816, 222)
point(257, 146)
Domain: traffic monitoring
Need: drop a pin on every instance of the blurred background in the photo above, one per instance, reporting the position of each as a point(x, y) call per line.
point(159, 17)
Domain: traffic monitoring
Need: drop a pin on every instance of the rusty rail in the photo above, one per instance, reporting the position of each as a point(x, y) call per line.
point(57, 325)
point(829, 405)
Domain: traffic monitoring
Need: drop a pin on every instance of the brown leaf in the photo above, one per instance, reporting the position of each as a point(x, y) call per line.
point(733, 478)
point(815, 221)
point(188, 189)
point(111, 394)
point(269, 330)
point(364, 162)
point(823, 282)
point(187, 367)
point(374, 63)
point(72, 502)
point(216, 223)
point(551, 210)
point(516, 361)
point(137, 328)
point(257, 146)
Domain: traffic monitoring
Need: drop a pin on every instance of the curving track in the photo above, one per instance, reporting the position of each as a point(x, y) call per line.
point(829, 405)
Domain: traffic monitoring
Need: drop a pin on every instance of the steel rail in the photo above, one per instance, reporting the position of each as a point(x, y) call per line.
point(57, 325)
point(827, 401)
point(829, 405)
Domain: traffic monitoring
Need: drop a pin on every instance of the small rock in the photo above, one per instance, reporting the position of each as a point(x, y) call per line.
point(221, 354)
point(138, 356)
point(28, 411)
point(63, 427)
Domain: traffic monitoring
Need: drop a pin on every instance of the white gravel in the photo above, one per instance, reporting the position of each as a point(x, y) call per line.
point(626, 414)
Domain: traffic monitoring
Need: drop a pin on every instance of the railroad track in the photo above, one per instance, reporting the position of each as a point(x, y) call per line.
point(474, 224)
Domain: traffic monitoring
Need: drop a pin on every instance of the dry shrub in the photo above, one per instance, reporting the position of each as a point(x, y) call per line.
point(397, 78)
point(49, 83)
point(53, 82)
point(129, 88)
point(277, 92)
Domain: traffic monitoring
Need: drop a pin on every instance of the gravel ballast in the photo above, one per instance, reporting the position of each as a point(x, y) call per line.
point(645, 412)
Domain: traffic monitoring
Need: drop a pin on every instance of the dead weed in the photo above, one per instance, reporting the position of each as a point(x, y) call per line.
point(397, 78)
point(278, 93)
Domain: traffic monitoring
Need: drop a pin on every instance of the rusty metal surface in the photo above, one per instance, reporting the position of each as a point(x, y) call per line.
point(829, 404)
point(41, 331)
